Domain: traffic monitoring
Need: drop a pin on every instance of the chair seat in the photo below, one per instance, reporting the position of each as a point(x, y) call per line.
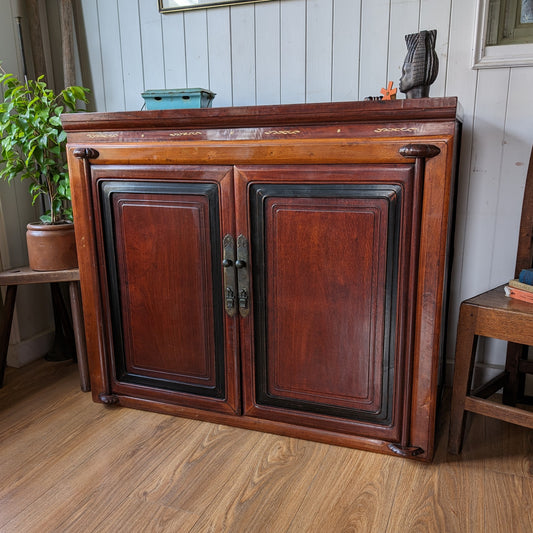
point(496, 299)
point(501, 317)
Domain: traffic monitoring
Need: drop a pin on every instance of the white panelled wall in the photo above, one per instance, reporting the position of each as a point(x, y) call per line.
point(293, 51)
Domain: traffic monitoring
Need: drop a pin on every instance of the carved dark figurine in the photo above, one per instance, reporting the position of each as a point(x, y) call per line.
point(421, 64)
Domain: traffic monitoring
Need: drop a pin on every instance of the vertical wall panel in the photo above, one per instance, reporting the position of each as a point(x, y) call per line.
point(435, 15)
point(487, 149)
point(196, 46)
point(267, 53)
point(518, 140)
point(93, 74)
point(293, 55)
point(345, 56)
point(174, 47)
point(319, 50)
point(404, 15)
point(219, 47)
point(243, 54)
point(111, 55)
point(132, 61)
point(152, 45)
point(461, 81)
point(374, 47)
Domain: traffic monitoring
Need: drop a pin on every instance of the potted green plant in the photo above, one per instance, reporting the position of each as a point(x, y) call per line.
point(33, 148)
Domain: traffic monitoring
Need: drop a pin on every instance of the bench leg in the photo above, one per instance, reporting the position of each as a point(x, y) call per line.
point(6, 319)
point(79, 335)
point(465, 353)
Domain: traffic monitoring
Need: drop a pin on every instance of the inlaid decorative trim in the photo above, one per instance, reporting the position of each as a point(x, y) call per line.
point(282, 132)
point(101, 135)
point(184, 133)
point(380, 130)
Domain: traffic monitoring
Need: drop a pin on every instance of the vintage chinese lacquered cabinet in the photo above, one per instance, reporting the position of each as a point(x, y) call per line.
point(281, 268)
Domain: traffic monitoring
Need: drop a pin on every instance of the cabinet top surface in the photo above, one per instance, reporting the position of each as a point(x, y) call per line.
point(423, 109)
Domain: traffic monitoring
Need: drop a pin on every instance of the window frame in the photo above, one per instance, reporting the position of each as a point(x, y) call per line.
point(496, 56)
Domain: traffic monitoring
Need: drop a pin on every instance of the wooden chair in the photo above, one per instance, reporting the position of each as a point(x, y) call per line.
point(492, 314)
point(25, 276)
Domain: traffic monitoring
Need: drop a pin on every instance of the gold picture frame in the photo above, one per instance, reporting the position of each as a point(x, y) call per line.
point(171, 6)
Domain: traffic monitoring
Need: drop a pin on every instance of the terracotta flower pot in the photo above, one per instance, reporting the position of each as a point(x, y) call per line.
point(51, 247)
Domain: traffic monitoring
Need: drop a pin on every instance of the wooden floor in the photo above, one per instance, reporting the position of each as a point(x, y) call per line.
point(70, 465)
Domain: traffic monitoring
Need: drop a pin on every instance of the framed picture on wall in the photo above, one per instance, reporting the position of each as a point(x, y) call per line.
point(168, 6)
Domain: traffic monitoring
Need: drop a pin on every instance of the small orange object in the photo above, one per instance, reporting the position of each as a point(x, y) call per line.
point(389, 93)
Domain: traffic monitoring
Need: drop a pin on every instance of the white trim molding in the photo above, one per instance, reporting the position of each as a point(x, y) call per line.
point(508, 55)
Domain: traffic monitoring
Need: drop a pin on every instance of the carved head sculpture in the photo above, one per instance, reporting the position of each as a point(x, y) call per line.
point(421, 64)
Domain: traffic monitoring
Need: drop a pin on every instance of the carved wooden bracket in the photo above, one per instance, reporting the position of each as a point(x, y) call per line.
point(419, 150)
point(108, 399)
point(406, 451)
point(85, 153)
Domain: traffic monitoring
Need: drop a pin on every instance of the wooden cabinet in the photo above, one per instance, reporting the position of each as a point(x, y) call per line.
point(280, 268)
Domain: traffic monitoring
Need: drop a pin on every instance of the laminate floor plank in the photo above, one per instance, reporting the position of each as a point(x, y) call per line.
point(438, 496)
point(216, 454)
point(352, 491)
point(73, 470)
point(37, 439)
point(135, 516)
point(508, 503)
point(509, 448)
point(265, 492)
point(119, 480)
point(49, 383)
point(69, 465)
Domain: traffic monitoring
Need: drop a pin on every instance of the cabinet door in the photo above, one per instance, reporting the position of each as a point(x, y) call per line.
point(330, 262)
point(161, 232)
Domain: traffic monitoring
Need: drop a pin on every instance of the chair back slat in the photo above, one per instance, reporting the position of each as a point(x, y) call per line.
point(524, 256)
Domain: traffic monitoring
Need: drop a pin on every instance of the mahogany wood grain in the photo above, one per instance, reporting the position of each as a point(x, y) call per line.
point(326, 299)
point(324, 143)
point(321, 285)
point(427, 109)
point(162, 263)
point(153, 232)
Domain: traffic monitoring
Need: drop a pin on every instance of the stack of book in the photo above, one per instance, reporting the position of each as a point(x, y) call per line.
point(521, 288)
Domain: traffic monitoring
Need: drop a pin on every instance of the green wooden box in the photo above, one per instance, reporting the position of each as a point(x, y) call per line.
point(177, 98)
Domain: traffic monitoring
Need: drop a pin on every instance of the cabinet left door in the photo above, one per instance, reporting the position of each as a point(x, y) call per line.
point(159, 232)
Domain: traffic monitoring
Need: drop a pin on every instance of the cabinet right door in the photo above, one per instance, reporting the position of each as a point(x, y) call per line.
point(333, 272)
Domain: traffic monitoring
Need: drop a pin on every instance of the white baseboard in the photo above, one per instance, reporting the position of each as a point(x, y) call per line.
point(29, 350)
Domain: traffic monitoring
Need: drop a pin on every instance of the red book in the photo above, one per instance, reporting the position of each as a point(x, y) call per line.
point(519, 294)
